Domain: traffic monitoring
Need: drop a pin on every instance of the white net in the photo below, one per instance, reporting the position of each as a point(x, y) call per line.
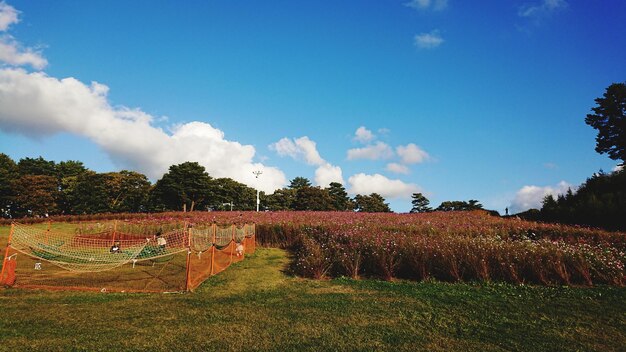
point(90, 253)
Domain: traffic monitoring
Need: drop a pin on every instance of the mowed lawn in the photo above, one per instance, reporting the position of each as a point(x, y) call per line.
point(256, 305)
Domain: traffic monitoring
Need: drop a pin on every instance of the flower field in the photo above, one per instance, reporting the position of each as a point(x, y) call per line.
point(448, 246)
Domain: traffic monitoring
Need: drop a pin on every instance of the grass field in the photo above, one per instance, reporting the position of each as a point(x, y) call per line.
point(256, 305)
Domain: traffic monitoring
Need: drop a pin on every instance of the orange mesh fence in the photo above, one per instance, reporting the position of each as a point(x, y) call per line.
point(178, 260)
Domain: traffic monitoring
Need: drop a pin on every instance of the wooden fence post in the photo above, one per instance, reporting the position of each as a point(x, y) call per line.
point(214, 227)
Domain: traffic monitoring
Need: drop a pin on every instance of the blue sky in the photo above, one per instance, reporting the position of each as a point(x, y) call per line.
point(458, 100)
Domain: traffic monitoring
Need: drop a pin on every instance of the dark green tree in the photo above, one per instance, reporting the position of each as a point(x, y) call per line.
point(609, 118)
point(69, 168)
point(457, 205)
point(88, 193)
point(339, 196)
point(374, 203)
point(127, 191)
point(36, 195)
point(312, 198)
point(600, 202)
point(281, 199)
point(38, 166)
point(226, 191)
point(182, 187)
point(67, 173)
point(8, 175)
point(420, 203)
point(299, 182)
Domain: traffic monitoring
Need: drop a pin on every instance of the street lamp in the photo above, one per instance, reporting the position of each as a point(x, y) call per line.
point(256, 175)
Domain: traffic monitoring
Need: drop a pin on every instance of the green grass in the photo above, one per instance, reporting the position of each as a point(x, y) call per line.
point(255, 305)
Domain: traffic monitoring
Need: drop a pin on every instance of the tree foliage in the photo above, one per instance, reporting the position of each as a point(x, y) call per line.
point(457, 205)
point(339, 196)
point(420, 203)
point(312, 198)
point(609, 118)
point(599, 202)
point(299, 182)
point(281, 199)
point(374, 203)
point(182, 187)
point(37, 166)
point(8, 175)
point(36, 195)
point(226, 193)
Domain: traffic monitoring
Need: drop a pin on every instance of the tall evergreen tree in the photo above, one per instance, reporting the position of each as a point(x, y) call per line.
point(299, 182)
point(339, 197)
point(609, 119)
point(420, 203)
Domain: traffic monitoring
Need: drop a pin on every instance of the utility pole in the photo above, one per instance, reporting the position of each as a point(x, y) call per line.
point(256, 175)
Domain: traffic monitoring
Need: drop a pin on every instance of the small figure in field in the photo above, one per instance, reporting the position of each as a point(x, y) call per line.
point(506, 211)
point(161, 242)
point(239, 249)
point(115, 248)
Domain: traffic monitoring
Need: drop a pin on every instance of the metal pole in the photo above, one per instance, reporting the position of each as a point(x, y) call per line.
point(256, 175)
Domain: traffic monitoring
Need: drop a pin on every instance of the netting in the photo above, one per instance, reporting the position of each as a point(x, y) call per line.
point(177, 260)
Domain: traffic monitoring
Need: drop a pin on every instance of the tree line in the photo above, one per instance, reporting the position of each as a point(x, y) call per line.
point(39, 187)
point(601, 200)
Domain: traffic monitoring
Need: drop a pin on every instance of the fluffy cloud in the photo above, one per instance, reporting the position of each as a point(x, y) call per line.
point(305, 150)
point(363, 135)
point(35, 104)
point(327, 173)
point(412, 154)
point(367, 184)
point(300, 149)
point(532, 196)
point(428, 40)
point(618, 168)
point(8, 16)
point(376, 151)
point(542, 9)
point(436, 5)
point(397, 168)
point(11, 51)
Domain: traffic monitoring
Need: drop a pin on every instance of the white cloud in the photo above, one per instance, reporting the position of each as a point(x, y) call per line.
point(363, 135)
point(300, 149)
point(436, 5)
point(36, 105)
point(11, 51)
point(327, 173)
point(397, 168)
point(376, 151)
point(367, 184)
point(428, 40)
point(412, 154)
point(542, 9)
point(306, 150)
point(8, 16)
point(532, 196)
point(618, 168)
